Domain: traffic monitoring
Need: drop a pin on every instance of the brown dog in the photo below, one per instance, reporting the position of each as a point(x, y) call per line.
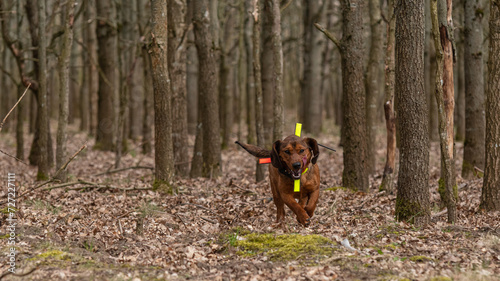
point(293, 158)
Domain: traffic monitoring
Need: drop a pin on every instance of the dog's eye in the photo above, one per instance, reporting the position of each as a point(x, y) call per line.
point(287, 152)
point(301, 151)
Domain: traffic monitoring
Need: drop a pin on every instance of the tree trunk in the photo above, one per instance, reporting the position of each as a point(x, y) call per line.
point(354, 175)
point(374, 81)
point(390, 118)
point(250, 85)
point(490, 196)
point(21, 110)
point(259, 107)
point(148, 108)
point(459, 73)
point(274, 16)
point(441, 14)
point(164, 155)
point(267, 71)
point(43, 116)
point(108, 62)
point(177, 68)
point(474, 90)
point(208, 90)
point(91, 67)
point(63, 67)
point(226, 82)
point(412, 202)
point(128, 62)
point(314, 43)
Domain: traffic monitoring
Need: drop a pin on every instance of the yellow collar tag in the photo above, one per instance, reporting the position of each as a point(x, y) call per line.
point(298, 129)
point(296, 183)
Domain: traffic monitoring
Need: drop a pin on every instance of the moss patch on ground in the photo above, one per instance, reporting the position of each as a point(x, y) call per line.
point(286, 247)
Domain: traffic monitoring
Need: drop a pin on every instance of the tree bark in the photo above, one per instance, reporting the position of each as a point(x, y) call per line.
point(63, 67)
point(274, 15)
point(374, 81)
point(164, 155)
point(267, 71)
point(314, 43)
point(390, 118)
point(43, 128)
point(108, 62)
point(226, 82)
point(412, 202)
point(459, 73)
point(250, 82)
point(90, 67)
point(474, 90)
point(490, 196)
point(148, 108)
point(354, 175)
point(259, 107)
point(441, 28)
point(177, 67)
point(208, 90)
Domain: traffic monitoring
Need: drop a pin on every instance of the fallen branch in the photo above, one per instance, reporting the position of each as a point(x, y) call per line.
point(17, 159)
point(18, 275)
point(89, 184)
point(53, 179)
point(63, 167)
point(6, 116)
point(123, 169)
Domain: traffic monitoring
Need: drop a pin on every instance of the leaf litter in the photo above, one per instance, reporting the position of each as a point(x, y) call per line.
point(85, 232)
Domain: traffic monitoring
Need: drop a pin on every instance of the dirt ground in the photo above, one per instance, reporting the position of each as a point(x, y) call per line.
point(113, 227)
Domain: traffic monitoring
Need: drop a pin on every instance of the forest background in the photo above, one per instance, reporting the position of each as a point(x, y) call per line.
point(177, 82)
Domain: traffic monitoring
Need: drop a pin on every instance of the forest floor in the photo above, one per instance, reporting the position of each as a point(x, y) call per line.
point(222, 229)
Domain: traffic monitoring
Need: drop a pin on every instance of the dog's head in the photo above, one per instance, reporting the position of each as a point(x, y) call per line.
point(293, 154)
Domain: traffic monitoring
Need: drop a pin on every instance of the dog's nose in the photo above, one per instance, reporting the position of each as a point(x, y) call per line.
point(296, 165)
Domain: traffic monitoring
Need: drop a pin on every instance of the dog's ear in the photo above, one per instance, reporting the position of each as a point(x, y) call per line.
point(275, 155)
point(313, 146)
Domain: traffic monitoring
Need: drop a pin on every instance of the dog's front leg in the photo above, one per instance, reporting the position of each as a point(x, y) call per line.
point(301, 214)
point(311, 204)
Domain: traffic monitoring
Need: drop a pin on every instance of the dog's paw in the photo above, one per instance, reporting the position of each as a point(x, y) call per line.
point(308, 222)
point(305, 221)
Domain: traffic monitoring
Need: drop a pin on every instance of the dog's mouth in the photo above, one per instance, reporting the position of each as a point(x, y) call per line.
point(296, 174)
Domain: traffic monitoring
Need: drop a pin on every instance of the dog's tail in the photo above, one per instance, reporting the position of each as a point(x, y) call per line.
point(255, 150)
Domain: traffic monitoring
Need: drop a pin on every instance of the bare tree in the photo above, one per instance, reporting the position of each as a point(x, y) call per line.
point(390, 118)
point(314, 43)
point(355, 175)
point(373, 83)
point(490, 197)
point(208, 90)
point(412, 202)
point(259, 118)
point(474, 90)
point(177, 70)
point(63, 67)
point(44, 131)
point(441, 29)
point(164, 155)
point(274, 16)
point(107, 40)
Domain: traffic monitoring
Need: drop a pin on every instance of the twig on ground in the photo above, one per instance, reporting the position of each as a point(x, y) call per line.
point(209, 220)
point(6, 116)
point(123, 169)
point(53, 179)
point(17, 159)
point(88, 184)
point(63, 167)
point(18, 275)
